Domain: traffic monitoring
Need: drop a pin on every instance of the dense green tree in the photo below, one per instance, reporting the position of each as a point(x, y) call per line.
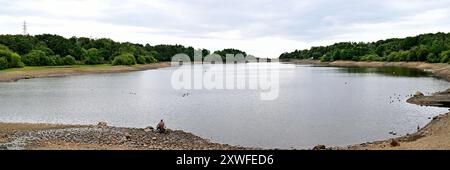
point(124, 59)
point(80, 49)
point(150, 59)
point(371, 57)
point(35, 58)
point(3, 63)
point(93, 56)
point(445, 56)
point(223, 53)
point(21, 44)
point(141, 60)
point(9, 58)
point(68, 60)
point(433, 58)
point(425, 47)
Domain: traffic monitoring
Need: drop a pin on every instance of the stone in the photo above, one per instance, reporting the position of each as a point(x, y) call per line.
point(320, 147)
point(154, 138)
point(418, 94)
point(394, 143)
point(102, 124)
point(127, 136)
point(148, 129)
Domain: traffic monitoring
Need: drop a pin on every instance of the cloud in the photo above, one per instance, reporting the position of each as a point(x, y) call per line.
point(263, 28)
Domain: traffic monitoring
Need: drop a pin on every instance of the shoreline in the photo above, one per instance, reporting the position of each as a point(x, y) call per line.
point(15, 74)
point(36, 136)
point(434, 135)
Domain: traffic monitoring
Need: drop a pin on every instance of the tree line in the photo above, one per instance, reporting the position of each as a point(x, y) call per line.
point(54, 50)
point(432, 48)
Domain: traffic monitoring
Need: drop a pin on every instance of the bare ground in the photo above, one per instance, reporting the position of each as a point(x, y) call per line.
point(58, 71)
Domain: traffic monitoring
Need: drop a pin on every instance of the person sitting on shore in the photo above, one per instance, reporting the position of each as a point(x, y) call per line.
point(161, 127)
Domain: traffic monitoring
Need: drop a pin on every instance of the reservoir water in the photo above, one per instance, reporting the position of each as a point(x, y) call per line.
point(316, 105)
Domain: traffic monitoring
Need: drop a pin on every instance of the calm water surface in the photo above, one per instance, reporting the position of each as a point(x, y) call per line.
point(316, 105)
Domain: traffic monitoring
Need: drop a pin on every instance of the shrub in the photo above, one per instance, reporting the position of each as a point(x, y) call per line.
point(356, 58)
point(68, 60)
point(325, 58)
point(124, 59)
point(15, 61)
point(35, 58)
point(93, 56)
point(46, 50)
point(398, 56)
point(404, 55)
point(432, 58)
point(54, 60)
point(150, 59)
point(146, 59)
point(141, 60)
point(371, 57)
point(12, 59)
point(3, 63)
point(4, 48)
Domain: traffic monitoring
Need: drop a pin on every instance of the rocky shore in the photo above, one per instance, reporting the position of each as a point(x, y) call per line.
point(438, 99)
point(15, 136)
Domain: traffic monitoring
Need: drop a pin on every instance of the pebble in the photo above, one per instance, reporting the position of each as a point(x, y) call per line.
point(113, 136)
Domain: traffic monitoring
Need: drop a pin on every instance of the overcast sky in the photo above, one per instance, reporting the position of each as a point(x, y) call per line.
point(264, 28)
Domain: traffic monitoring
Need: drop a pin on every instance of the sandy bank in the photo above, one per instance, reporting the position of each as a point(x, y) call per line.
point(57, 71)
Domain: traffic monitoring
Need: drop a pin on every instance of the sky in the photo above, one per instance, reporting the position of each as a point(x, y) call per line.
point(264, 28)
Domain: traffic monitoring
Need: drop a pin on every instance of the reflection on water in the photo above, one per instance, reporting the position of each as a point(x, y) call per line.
point(316, 105)
point(388, 71)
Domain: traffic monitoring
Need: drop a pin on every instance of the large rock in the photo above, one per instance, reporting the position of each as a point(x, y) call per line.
point(320, 147)
point(148, 129)
point(418, 94)
point(127, 136)
point(394, 143)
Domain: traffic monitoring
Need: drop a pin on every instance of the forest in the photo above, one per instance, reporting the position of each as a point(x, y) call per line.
point(53, 50)
point(432, 48)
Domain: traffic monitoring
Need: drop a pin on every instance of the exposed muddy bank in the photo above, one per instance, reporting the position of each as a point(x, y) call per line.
point(439, 99)
point(58, 71)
